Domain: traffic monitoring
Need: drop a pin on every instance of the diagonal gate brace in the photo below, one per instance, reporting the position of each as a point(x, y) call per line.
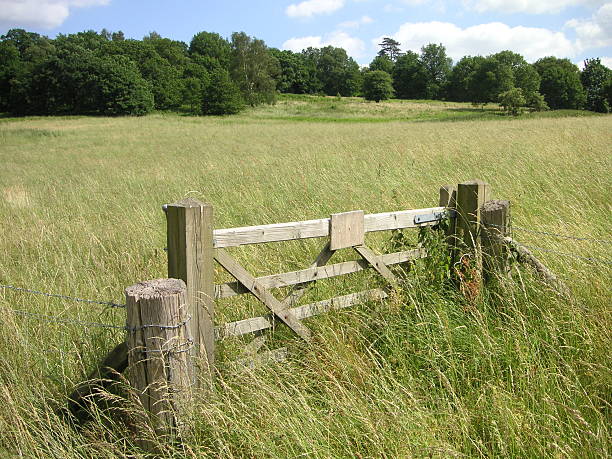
point(377, 263)
point(261, 293)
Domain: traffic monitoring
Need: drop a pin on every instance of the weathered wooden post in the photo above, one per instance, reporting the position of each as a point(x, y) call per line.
point(158, 342)
point(495, 215)
point(470, 198)
point(190, 258)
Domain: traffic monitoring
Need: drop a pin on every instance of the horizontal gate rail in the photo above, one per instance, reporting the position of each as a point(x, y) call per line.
point(277, 232)
point(255, 324)
point(231, 289)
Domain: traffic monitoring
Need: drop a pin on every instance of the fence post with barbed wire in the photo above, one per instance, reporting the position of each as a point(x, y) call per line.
point(495, 217)
point(160, 366)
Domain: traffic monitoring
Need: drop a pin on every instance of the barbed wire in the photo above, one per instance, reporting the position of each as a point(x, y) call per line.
point(546, 233)
point(589, 259)
point(64, 297)
point(62, 320)
point(57, 319)
point(162, 327)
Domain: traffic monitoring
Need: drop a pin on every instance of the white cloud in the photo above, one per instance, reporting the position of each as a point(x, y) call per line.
point(310, 8)
point(532, 43)
point(528, 6)
point(46, 14)
point(354, 46)
point(356, 24)
point(595, 32)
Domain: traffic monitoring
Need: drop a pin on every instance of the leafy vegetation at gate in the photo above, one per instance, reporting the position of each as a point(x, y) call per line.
point(106, 74)
point(520, 372)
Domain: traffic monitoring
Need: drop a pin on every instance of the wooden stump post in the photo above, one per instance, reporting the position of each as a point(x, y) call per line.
point(158, 342)
point(495, 217)
point(190, 258)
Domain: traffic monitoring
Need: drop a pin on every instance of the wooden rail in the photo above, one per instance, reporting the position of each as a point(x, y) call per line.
point(255, 324)
point(230, 289)
point(277, 232)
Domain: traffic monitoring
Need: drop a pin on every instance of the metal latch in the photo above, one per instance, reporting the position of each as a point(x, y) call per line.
point(434, 217)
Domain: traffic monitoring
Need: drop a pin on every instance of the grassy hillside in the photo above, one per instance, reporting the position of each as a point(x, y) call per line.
point(521, 373)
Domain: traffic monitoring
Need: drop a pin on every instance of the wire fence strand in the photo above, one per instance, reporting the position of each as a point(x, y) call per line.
point(605, 261)
point(61, 320)
point(546, 233)
point(64, 297)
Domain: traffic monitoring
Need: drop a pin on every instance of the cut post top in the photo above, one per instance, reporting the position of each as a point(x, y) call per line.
point(157, 288)
point(188, 203)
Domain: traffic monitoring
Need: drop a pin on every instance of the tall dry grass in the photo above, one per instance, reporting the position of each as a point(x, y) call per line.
point(522, 373)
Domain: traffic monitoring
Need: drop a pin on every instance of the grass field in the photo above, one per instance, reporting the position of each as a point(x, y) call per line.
point(521, 373)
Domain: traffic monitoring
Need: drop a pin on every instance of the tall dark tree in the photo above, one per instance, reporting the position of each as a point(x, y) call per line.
point(595, 77)
point(409, 77)
point(390, 48)
point(560, 83)
point(437, 66)
point(253, 69)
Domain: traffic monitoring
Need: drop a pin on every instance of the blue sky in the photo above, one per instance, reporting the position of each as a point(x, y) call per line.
point(576, 29)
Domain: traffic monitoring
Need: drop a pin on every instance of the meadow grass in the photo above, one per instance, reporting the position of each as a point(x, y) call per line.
point(520, 372)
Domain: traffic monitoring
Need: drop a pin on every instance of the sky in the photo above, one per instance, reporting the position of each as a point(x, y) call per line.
point(576, 29)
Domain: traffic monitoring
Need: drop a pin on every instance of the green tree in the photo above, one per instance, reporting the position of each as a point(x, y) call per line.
point(253, 69)
point(214, 50)
point(608, 92)
point(409, 77)
point(294, 75)
point(512, 101)
point(390, 48)
point(383, 63)
point(437, 67)
point(595, 76)
point(120, 88)
point(459, 85)
point(560, 83)
point(20, 39)
point(221, 96)
point(195, 78)
point(490, 78)
point(524, 75)
point(10, 64)
point(536, 102)
point(336, 72)
point(165, 81)
point(377, 86)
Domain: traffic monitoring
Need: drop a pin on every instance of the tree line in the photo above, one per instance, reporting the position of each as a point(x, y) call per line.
point(105, 73)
